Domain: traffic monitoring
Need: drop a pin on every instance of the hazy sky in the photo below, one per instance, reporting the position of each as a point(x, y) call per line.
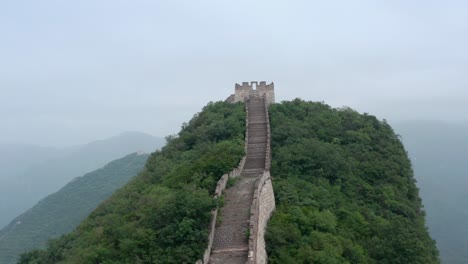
point(75, 71)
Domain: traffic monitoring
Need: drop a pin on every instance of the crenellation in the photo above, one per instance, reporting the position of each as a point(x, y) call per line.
point(244, 90)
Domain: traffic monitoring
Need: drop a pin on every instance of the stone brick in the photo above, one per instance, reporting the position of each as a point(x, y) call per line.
point(238, 238)
point(245, 90)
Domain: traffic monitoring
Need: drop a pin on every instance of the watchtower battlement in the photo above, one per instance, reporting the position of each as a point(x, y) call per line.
point(246, 89)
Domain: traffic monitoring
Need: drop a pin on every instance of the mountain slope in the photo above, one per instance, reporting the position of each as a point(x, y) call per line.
point(61, 212)
point(439, 152)
point(162, 215)
point(344, 188)
point(23, 190)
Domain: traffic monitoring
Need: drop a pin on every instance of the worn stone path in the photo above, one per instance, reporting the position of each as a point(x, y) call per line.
point(230, 245)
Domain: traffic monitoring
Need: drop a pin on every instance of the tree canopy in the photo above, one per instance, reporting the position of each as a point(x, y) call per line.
point(162, 215)
point(344, 188)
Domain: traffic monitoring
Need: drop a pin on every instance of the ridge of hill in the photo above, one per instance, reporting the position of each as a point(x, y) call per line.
point(344, 190)
point(162, 215)
point(22, 190)
point(61, 212)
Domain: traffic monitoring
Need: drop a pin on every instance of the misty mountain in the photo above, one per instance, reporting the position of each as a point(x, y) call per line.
point(439, 153)
point(61, 212)
point(21, 191)
point(16, 158)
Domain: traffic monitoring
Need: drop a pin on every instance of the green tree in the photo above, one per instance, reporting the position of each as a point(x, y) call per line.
point(344, 190)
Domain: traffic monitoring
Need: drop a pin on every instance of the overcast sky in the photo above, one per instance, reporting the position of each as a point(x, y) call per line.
point(76, 71)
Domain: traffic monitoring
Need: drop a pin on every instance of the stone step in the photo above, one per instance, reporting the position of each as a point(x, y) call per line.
point(257, 140)
point(259, 165)
point(254, 158)
point(229, 256)
point(230, 244)
point(260, 133)
point(255, 153)
point(252, 171)
point(259, 129)
point(253, 175)
point(257, 134)
point(257, 137)
point(257, 145)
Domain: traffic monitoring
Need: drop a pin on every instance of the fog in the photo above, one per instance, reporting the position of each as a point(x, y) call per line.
point(76, 71)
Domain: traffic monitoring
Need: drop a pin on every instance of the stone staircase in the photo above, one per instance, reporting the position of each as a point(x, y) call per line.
point(230, 244)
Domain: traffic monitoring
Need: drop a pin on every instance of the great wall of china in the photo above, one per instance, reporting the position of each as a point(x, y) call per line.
point(237, 228)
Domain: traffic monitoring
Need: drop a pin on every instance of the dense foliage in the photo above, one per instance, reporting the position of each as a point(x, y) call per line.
point(162, 215)
point(344, 189)
point(61, 212)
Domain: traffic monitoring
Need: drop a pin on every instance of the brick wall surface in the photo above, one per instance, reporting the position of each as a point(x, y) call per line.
point(223, 246)
point(263, 205)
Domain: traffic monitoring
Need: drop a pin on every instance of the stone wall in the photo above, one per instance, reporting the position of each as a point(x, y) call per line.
point(263, 205)
point(244, 90)
point(266, 207)
point(263, 202)
point(220, 187)
point(267, 90)
point(231, 98)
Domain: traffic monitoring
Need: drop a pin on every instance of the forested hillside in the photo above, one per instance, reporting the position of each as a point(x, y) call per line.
point(33, 181)
point(62, 211)
point(162, 215)
point(344, 188)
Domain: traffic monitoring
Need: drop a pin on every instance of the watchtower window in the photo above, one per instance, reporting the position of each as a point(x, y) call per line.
point(254, 85)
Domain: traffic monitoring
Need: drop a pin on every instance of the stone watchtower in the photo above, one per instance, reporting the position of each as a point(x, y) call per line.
point(245, 90)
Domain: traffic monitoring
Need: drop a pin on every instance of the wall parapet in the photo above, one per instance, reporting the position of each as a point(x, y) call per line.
point(263, 205)
point(221, 186)
point(243, 91)
point(268, 146)
point(263, 201)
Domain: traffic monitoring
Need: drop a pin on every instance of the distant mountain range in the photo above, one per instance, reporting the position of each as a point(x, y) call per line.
point(439, 153)
point(61, 212)
point(29, 173)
